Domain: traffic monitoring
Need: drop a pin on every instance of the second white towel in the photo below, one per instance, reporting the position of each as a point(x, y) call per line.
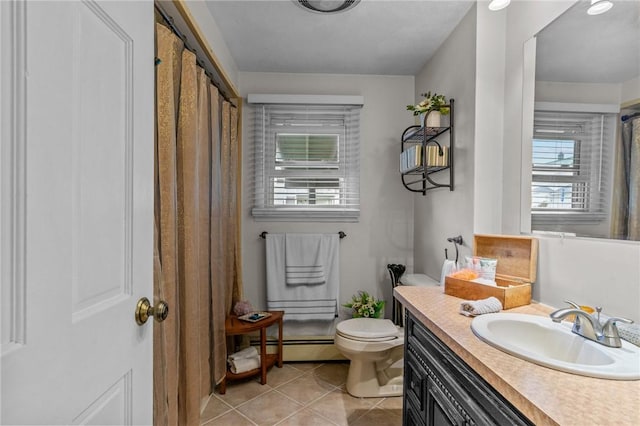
point(243, 364)
point(479, 307)
point(250, 352)
point(244, 360)
point(304, 259)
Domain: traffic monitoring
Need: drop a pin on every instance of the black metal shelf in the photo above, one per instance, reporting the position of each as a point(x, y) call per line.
point(420, 179)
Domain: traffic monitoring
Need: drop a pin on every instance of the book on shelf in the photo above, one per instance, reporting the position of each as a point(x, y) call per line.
point(411, 159)
point(433, 157)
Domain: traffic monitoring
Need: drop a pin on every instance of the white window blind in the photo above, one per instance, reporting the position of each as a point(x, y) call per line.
point(571, 166)
point(307, 162)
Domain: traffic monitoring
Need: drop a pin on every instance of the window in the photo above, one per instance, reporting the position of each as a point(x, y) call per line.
point(306, 162)
point(570, 168)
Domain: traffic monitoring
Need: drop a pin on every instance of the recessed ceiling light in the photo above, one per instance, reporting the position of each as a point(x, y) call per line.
point(599, 6)
point(327, 6)
point(498, 4)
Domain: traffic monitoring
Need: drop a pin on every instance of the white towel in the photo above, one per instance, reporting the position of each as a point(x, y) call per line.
point(305, 275)
point(448, 267)
point(250, 352)
point(303, 302)
point(304, 259)
point(243, 364)
point(479, 307)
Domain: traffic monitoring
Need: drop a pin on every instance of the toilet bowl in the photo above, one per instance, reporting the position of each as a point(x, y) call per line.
point(375, 349)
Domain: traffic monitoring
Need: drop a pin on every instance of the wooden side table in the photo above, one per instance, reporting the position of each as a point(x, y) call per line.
point(233, 326)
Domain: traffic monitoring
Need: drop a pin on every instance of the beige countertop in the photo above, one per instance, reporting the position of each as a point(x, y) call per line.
point(545, 396)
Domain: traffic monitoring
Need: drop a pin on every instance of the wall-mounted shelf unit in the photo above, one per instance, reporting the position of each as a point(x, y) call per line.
point(422, 155)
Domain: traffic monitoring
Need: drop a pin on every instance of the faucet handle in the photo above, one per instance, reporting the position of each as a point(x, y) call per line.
point(609, 328)
point(610, 333)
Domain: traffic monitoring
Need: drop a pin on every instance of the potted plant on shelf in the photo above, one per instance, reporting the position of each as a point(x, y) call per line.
point(365, 306)
point(433, 106)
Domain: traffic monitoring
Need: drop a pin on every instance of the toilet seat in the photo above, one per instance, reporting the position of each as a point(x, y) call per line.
point(368, 329)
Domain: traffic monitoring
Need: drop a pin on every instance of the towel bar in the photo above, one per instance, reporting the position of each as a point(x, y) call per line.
point(263, 234)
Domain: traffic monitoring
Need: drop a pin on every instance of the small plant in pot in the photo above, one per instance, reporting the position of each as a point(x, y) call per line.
point(433, 105)
point(365, 306)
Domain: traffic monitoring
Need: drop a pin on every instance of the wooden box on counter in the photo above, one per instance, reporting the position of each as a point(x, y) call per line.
point(516, 270)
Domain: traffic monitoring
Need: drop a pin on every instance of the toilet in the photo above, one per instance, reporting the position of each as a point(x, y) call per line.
point(375, 348)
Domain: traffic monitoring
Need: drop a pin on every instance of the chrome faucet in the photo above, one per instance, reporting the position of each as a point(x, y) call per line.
point(589, 327)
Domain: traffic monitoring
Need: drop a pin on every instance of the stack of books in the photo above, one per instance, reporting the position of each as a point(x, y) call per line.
point(434, 159)
point(411, 159)
point(414, 157)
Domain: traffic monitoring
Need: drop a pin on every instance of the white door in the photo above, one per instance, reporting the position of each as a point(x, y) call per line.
point(76, 103)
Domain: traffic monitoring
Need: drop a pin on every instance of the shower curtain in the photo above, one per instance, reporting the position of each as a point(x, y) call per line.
point(195, 266)
point(625, 217)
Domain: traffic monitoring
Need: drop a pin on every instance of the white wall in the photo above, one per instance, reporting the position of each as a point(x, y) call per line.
point(630, 91)
point(442, 213)
point(579, 93)
point(211, 31)
point(590, 271)
point(384, 233)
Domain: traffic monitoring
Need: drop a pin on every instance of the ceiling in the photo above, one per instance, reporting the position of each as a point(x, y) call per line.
point(392, 37)
point(397, 37)
point(581, 48)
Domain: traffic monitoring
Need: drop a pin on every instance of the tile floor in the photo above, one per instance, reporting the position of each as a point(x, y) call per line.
point(299, 394)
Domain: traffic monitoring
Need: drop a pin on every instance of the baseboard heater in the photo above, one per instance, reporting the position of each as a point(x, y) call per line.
point(303, 348)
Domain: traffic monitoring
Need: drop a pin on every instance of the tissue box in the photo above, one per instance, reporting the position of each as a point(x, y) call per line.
point(516, 270)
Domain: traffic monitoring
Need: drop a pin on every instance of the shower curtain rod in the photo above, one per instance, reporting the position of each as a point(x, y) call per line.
point(629, 116)
point(263, 234)
point(172, 26)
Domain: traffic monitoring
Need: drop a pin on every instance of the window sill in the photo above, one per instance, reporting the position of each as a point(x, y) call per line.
point(560, 218)
point(305, 215)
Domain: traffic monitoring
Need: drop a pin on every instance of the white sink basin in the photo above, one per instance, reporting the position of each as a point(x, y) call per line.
point(541, 341)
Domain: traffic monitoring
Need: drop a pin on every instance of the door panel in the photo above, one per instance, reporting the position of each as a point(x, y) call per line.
point(83, 194)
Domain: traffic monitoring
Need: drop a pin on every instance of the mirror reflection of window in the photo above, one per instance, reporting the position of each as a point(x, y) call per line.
point(587, 77)
point(571, 170)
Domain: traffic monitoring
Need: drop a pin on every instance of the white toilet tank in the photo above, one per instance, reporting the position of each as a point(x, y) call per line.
point(418, 280)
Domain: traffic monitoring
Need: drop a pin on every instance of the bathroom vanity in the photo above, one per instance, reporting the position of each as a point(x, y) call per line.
point(440, 389)
point(452, 377)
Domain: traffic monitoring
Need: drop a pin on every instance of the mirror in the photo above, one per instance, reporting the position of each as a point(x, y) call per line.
point(587, 79)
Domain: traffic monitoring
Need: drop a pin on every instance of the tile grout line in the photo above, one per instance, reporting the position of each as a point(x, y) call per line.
point(307, 405)
point(302, 406)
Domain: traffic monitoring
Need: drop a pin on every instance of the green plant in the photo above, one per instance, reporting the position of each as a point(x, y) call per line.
point(430, 102)
point(365, 306)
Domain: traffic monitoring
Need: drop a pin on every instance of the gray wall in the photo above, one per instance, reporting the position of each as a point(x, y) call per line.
point(384, 233)
point(481, 66)
point(441, 213)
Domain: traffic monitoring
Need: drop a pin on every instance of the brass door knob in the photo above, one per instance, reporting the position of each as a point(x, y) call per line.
point(144, 310)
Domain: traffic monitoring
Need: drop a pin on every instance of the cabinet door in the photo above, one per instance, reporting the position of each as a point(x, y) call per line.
point(451, 393)
point(415, 378)
point(411, 416)
point(440, 410)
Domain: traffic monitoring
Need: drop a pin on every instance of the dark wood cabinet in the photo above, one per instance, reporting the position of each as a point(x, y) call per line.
point(441, 389)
